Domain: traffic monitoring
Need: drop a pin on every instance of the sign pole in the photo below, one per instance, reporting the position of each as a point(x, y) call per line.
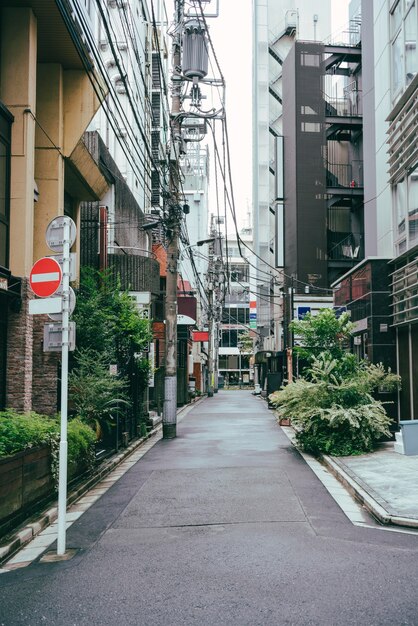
point(63, 450)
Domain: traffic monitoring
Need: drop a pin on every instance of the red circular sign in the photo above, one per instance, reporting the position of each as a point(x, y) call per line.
point(45, 277)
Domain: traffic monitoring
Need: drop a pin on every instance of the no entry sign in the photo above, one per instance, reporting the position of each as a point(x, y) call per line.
point(45, 277)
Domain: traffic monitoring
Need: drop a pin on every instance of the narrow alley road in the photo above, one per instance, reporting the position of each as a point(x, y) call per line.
point(224, 525)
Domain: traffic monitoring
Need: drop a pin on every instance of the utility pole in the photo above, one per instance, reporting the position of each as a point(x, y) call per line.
point(173, 229)
point(289, 350)
point(217, 306)
point(211, 316)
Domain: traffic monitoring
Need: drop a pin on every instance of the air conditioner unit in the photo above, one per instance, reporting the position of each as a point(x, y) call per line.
point(153, 210)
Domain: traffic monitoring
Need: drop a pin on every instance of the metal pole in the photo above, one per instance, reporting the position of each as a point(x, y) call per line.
point(211, 319)
point(170, 379)
point(290, 335)
point(240, 370)
point(63, 450)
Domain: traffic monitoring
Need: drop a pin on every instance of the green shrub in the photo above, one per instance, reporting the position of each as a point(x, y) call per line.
point(334, 412)
point(20, 432)
point(81, 439)
point(95, 394)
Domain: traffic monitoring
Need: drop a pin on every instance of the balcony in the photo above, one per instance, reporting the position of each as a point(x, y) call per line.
point(344, 182)
point(136, 272)
point(343, 117)
point(345, 246)
point(344, 107)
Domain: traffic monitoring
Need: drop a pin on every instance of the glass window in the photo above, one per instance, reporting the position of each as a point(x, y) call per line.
point(307, 110)
point(311, 60)
point(397, 62)
point(223, 362)
point(410, 45)
point(400, 204)
point(396, 18)
point(401, 247)
point(413, 209)
point(311, 127)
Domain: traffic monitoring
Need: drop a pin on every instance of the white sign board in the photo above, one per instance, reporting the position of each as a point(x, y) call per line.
point(73, 263)
point(46, 305)
point(53, 336)
point(55, 233)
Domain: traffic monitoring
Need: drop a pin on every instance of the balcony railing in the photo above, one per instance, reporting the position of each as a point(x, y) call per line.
point(348, 175)
point(344, 107)
point(345, 247)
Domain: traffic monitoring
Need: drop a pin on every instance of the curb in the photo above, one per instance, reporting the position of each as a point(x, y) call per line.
point(365, 498)
point(29, 532)
point(361, 493)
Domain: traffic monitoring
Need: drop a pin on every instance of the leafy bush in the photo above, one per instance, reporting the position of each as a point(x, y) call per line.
point(322, 332)
point(96, 394)
point(20, 432)
point(108, 321)
point(81, 439)
point(334, 412)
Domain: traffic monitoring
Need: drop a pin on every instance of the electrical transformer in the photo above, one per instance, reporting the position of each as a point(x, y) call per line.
point(195, 50)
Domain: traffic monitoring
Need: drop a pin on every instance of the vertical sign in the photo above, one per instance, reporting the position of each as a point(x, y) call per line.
point(253, 314)
point(151, 360)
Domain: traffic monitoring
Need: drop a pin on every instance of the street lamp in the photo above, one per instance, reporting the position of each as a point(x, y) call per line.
point(198, 243)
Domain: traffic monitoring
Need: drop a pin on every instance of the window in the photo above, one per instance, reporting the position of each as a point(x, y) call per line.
point(403, 29)
point(310, 127)
point(397, 62)
point(396, 18)
point(307, 110)
point(410, 45)
point(400, 204)
point(413, 209)
point(310, 60)
point(229, 338)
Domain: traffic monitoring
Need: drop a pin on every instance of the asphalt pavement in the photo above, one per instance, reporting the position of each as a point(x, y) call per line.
point(226, 524)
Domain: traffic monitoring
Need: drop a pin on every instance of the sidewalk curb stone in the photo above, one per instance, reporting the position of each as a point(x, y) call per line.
point(378, 507)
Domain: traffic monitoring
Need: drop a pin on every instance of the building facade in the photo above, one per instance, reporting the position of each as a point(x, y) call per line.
point(276, 26)
point(82, 67)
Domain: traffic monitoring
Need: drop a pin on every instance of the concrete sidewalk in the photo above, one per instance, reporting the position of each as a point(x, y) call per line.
point(385, 482)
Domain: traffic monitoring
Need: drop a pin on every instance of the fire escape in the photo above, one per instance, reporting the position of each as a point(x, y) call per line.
point(343, 161)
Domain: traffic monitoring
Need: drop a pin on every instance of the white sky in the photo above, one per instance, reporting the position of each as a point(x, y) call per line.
point(231, 34)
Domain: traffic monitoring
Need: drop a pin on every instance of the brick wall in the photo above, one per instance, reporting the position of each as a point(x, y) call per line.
point(32, 375)
point(45, 371)
point(19, 355)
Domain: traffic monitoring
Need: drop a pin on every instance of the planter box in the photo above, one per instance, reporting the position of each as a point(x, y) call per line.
point(25, 479)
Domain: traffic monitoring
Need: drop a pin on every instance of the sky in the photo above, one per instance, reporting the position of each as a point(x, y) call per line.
point(231, 34)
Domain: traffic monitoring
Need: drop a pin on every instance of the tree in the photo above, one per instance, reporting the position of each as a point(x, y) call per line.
point(324, 331)
point(110, 330)
point(245, 342)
